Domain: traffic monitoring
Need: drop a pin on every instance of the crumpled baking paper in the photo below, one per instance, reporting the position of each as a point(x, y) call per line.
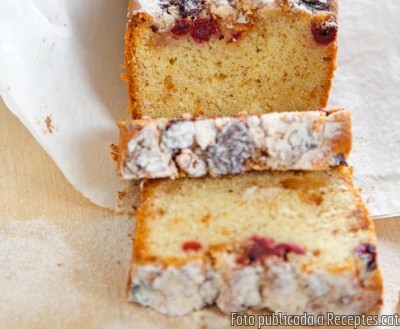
point(60, 75)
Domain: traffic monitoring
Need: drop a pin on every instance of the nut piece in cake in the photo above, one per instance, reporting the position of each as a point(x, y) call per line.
point(315, 140)
point(215, 56)
point(287, 241)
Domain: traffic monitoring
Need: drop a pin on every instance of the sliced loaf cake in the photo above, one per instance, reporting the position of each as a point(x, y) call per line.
point(315, 140)
point(215, 56)
point(287, 241)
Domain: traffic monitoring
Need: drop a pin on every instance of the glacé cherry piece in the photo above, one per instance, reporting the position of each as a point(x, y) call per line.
point(189, 246)
point(204, 29)
point(182, 27)
point(324, 33)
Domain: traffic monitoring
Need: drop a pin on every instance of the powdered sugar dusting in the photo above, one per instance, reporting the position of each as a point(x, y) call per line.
point(165, 12)
point(152, 7)
point(35, 261)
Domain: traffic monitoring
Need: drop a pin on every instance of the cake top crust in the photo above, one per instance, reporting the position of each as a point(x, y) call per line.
point(197, 8)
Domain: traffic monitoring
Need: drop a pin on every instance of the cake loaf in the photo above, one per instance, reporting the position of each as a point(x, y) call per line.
point(315, 140)
point(286, 241)
point(217, 56)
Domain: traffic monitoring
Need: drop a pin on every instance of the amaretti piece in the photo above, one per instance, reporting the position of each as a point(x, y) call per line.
point(160, 148)
point(285, 241)
point(215, 56)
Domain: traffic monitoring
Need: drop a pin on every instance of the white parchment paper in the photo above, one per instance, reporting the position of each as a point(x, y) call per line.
point(60, 74)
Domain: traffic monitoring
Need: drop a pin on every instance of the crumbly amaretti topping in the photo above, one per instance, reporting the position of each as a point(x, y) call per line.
point(261, 274)
point(232, 145)
point(166, 12)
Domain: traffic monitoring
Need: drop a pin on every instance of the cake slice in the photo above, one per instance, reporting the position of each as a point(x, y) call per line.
point(287, 241)
point(315, 140)
point(216, 56)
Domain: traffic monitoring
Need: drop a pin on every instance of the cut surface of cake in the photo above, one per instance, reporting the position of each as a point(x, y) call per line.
point(216, 56)
point(314, 140)
point(286, 241)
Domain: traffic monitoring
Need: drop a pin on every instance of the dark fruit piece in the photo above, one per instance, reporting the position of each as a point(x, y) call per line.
point(204, 29)
point(234, 146)
point(341, 160)
point(190, 8)
point(263, 247)
point(182, 27)
point(165, 4)
point(317, 4)
point(153, 28)
point(324, 33)
point(283, 249)
point(367, 252)
point(191, 246)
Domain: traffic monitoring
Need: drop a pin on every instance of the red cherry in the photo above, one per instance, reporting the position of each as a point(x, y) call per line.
point(324, 33)
point(204, 29)
point(182, 27)
point(263, 247)
point(189, 246)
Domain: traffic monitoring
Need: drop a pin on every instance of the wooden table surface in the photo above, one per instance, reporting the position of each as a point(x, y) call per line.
point(64, 261)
